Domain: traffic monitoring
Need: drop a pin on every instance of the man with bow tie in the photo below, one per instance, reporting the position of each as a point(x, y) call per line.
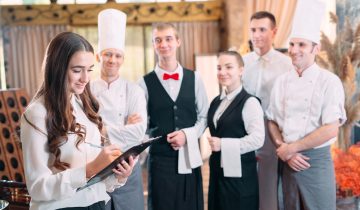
point(177, 109)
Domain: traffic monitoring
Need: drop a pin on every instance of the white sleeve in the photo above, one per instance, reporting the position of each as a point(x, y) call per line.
point(275, 102)
point(133, 134)
point(42, 183)
point(333, 108)
point(233, 148)
point(253, 117)
point(142, 84)
point(189, 155)
point(111, 183)
point(202, 106)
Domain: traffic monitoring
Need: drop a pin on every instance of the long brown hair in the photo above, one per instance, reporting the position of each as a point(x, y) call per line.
point(55, 90)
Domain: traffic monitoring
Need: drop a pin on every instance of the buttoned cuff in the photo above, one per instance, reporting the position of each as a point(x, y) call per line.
point(332, 114)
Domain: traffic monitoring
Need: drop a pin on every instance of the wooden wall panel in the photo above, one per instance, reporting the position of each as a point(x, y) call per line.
point(13, 103)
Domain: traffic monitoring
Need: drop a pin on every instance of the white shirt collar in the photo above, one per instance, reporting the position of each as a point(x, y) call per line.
point(161, 71)
point(75, 102)
point(113, 83)
point(231, 95)
point(309, 74)
point(267, 56)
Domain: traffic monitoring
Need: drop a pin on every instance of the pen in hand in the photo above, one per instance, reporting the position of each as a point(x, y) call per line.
point(94, 145)
point(99, 146)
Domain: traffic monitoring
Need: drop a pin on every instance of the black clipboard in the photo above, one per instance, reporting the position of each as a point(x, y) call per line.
point(107, 171)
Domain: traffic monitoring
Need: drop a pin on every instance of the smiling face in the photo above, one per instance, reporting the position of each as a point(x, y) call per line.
point(262, 33)
point(229, 72)
point(79, 68)
point(165, 43)
point(110, 62)
point(302, 53)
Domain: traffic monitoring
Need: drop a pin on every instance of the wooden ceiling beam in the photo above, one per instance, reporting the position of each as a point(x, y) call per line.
point(86, 14)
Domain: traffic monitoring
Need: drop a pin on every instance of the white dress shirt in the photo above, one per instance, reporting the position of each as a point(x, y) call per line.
point(233, 148)
point(189, 154)
point(118, 100)
point(48, 187)
point(300, 105)
point(260, 73)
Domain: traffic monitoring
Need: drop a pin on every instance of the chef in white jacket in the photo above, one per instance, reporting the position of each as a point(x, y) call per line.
point(305, 112)
point(122, 104)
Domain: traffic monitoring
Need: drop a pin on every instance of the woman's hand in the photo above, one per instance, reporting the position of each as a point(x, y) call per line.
point(123, 170)
point(215, 143)
point(105, 157)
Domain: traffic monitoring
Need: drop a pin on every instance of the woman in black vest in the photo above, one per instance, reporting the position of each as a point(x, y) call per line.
point(236, 124)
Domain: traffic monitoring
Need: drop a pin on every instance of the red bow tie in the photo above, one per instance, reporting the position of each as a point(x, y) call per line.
point(171, 76)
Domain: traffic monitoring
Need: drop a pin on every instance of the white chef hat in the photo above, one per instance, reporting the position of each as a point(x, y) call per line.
point(307, 20)
point(111, 29)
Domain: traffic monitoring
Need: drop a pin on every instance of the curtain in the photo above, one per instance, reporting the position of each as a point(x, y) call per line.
point(24, 48)
point(283, 11)
point(197, 38)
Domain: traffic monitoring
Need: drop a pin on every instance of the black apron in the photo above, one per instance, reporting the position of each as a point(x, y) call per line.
point(169, 190)
point(228, 193)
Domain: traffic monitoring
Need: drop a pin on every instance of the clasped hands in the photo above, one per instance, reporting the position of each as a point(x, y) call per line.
point(287, 152)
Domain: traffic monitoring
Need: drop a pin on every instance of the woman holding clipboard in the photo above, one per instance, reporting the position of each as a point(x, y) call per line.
point(59, 131)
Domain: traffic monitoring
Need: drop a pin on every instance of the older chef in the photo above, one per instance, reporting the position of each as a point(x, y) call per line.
point(306, 109)
point(122, 104)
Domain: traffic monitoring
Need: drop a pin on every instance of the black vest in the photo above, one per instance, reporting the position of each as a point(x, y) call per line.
point(230, 124)
point(167, 115)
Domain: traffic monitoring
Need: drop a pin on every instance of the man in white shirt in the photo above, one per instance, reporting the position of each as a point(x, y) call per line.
point(177, 108)
point(122, 104)
point(261, 69)
point(306, 108)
